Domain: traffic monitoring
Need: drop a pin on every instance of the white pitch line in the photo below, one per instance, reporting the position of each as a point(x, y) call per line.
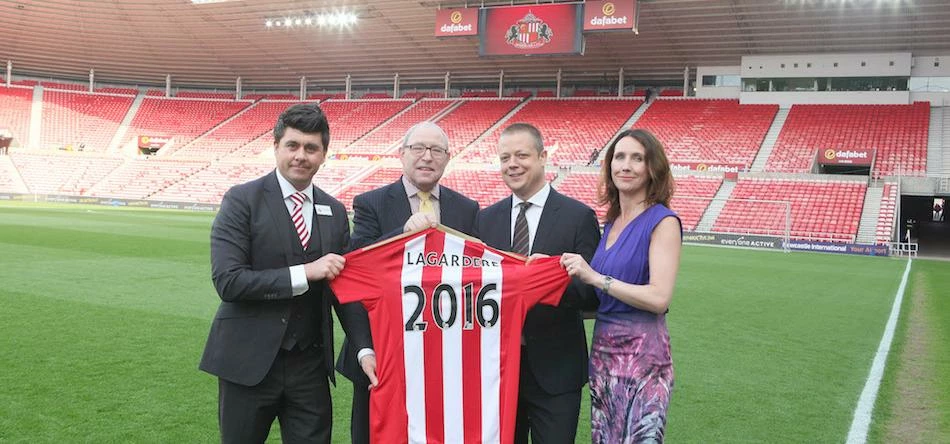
point(862, 413)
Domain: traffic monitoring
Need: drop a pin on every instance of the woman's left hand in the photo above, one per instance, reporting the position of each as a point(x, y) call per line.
point(576, 266)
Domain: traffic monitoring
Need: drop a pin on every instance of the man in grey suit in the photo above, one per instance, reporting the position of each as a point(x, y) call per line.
point(394, 209)
point(275, 243)
point(536, 219)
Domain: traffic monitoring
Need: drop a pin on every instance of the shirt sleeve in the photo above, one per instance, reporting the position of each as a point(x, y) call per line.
point(359, 280)
point(298, 280)
point(543, 281)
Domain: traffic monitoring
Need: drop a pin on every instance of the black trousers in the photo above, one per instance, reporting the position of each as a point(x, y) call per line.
point(295, 391)
point(549, 419)
point(359, 417)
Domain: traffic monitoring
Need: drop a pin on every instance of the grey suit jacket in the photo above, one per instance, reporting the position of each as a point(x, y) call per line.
point(253, 243)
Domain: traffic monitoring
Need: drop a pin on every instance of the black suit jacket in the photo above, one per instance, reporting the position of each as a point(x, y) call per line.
point(382, 213)
point(555, 341)
point(253, 242)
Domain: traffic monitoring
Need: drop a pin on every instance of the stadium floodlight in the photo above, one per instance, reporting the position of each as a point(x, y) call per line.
point(298, 22)
point(269, 23)
point(277, 23)
point(288, 22)
point(308, 21)
point(339, 19)
point(322, 20)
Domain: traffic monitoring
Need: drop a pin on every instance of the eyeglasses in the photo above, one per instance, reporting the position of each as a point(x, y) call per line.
point(418, 149)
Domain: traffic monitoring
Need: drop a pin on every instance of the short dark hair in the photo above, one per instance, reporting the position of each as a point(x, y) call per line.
point(304, 117)
point(660, 185)
point(526, 128)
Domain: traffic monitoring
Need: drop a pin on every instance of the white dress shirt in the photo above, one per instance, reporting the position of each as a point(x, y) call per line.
point(532, 214)
point(298, 277)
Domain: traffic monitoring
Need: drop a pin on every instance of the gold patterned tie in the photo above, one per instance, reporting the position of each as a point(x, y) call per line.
point(425, 203)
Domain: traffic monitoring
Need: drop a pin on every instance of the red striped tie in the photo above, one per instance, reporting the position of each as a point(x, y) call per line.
point(299, 222)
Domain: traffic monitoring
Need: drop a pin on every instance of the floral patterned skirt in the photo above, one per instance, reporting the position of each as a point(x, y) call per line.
point(631, 376)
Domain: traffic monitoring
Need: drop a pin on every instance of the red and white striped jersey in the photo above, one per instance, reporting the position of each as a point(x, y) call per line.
point(446, 315)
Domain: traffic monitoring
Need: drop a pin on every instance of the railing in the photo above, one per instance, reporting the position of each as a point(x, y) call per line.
point(903, 249)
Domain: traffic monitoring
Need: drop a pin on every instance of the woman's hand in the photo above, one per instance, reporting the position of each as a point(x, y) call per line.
point(577, 267)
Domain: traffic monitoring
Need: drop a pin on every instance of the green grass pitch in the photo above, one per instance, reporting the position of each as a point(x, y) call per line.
point(105, 312)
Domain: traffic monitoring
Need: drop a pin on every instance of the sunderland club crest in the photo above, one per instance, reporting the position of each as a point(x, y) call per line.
point(528, 33)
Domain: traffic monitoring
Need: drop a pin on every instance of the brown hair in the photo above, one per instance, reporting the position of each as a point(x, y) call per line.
point(660, 184)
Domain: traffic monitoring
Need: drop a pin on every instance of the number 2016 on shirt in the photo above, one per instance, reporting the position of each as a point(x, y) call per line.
point(480, 306)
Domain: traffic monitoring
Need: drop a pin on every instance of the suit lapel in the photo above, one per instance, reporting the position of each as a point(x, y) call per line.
point(547, 226)
point(278, 210)
point(398, 205)
point(505, 225)
point(319, 198)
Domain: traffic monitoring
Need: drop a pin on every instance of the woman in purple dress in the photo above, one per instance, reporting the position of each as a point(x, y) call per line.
point(634, 271)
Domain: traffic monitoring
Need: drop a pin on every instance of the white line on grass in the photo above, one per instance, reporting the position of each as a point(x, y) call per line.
point(862, 413)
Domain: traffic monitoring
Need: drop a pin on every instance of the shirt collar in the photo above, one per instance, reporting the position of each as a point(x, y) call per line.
point(287, 189)
point(537, 200)
point(412, 190)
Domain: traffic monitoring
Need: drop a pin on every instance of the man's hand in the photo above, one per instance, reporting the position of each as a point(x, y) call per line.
point(327, 267)
point(368, 363)
point(419, 221)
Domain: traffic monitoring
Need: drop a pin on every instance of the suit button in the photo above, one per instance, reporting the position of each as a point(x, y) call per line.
point(283, 320)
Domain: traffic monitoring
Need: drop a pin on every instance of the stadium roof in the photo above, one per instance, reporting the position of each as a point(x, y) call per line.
point(210, 44)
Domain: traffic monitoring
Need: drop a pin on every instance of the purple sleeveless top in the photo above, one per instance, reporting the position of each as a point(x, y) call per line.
point(627, 259)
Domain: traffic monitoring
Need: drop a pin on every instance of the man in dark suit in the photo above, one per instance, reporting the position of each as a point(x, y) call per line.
point(536, 219)
point(397, 208)
point(274, 244)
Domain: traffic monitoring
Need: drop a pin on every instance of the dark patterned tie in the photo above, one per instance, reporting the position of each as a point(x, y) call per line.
point(519, 241)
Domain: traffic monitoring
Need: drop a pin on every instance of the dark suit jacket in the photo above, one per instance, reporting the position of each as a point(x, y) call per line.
point(555, 341)
point(382, 213)
point(253, 242)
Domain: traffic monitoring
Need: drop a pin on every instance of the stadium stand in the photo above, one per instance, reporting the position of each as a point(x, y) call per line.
point(423, 95)
point(15, 112)
point(391, 132)
point(65, 86)
point(252, 123)
point(375, 179)
point(485, 185)
point(55, 173)
point(897, 132)
point(139, 179)
point(182, 119)
point(354, 118)
point(204, 95)
point(8, 173)
point(571, 128)
point(690, 199)
point(709, 131)
point(271, 96)
point(81, 120)
point(820, 209)
point(472, 118)
point(112, 90)
point(885, 220)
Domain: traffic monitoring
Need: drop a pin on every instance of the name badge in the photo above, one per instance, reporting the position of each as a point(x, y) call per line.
point(323, 210)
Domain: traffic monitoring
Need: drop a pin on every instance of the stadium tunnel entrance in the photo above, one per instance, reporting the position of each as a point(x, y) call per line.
point(929, 225)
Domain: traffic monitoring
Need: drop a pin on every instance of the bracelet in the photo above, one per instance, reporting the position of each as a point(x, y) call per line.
point(607, 281)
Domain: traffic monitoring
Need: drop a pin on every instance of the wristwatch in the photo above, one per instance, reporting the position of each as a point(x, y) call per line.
point(607, 282)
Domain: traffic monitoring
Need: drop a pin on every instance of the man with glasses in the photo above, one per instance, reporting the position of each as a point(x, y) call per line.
point(414, 201)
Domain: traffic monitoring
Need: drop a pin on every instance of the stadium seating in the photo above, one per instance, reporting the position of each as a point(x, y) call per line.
point(885, 219)
point(897, 132)
point(379, 177)
point(75, 119)
point(204, 95)
point(15, 112)
point(139, 179)
point(485, 185)
point(820, 209)
point(65, 86)
point(181, 119)
point(63, 174)
point(126, 91)
point(690, 199)
point(386, 135)
point(271, 96)
point(254, 122)
point(351, 119)
point(424, 94)
point(571, 128)
point(7, 173)
point(709, 131)
point(472, 118)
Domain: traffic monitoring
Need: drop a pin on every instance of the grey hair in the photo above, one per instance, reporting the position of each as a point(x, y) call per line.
point(423, 124)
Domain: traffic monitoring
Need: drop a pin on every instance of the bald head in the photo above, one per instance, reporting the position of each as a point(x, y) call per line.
point(430, 127)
